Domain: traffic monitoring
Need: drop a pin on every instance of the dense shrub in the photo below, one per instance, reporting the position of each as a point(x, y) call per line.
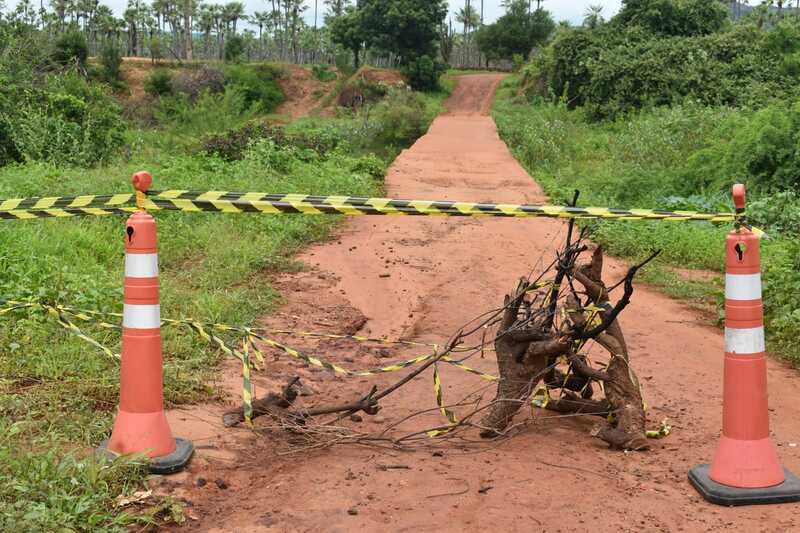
point(231, 145)
point(359, 92)
point(159, 83)
point(344, 64)
point(111, 58)
point(323, 73)
point(234, 48)
point(639, 61)
point(194, 82)
point(8, 149)
point(423, 73)
point(210, 113)
point(67, 121)
point(258, 84)
point(685, 18)
point(402, 117)
point(760, 148)
point(777, 213)
point(71, 49)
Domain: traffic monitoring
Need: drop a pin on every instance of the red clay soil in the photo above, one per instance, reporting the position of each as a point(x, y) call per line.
point(421, 279)
point(303, 91)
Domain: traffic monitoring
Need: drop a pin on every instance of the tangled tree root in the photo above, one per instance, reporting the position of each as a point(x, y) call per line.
point(531, 341)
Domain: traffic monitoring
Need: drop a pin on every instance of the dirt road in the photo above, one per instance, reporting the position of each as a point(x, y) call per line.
point(421, 279)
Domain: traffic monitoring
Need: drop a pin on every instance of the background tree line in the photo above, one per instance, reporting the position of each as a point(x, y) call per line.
point(297, 31)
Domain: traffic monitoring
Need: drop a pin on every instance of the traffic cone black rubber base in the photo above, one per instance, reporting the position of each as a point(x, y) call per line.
point(786, 492)
point(168, 464)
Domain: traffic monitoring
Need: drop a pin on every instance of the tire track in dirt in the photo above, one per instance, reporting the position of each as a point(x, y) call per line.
point(421, 279)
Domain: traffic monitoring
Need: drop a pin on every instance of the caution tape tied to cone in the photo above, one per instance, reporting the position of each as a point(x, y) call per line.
point(248, 345)
point(265, 203)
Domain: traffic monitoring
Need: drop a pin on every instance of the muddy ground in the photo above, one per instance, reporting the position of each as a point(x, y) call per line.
point(421, 279)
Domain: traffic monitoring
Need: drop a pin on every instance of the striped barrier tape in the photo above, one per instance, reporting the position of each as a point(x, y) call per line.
point(447, 413)
point(540, 397)
point(265, 203)
point(249, 346)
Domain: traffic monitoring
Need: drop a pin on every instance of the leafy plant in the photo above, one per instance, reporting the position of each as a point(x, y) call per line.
point(423, 73)
point(234, 49)
point(193, 82)
point(323, 73)
point(401, 118)
point(159, 83)
point(71, 49)
point(257, 83)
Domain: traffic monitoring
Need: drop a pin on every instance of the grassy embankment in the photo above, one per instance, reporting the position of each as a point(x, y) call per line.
point(647, 160)
point(57, 394)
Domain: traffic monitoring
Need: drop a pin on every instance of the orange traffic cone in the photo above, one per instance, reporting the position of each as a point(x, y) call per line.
point(141, 426)
point(745, 469)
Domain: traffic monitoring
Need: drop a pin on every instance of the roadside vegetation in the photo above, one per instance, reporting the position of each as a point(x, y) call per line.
point(64, 130)
point(666, 106)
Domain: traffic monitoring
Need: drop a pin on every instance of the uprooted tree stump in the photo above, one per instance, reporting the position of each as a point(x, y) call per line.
point(543, 328)
point(536, 332)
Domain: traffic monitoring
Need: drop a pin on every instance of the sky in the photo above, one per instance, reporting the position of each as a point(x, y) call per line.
point(571, 10)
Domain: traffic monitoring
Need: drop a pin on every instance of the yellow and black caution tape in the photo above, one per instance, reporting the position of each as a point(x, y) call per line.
point(249, 202)
point(663, 431)
point(540, 397)
point(446, 412)
point(255, 202)
point(75, 330)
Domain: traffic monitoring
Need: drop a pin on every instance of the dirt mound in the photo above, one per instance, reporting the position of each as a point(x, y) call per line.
point(303, 91)
point(369, 85)
point(135, 71)
point(380, 76)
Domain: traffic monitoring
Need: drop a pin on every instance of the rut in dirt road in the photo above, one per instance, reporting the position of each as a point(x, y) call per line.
point(421, 279)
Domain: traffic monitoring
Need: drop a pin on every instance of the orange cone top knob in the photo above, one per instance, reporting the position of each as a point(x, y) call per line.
point(142, 181)
point(739, 197)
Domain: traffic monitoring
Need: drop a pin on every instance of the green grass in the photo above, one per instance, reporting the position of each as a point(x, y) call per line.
point(57, 393)
point(646, 161)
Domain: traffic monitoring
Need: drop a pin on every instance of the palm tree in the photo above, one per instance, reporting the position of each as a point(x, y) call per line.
point(470, 19)
point(593, 16)
point(232, 12)
point(205, 24)
point(60, 8)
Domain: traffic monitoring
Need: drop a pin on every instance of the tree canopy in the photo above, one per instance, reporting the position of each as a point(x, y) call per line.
point(408, 28)
point(517, 32)
point(686, 18)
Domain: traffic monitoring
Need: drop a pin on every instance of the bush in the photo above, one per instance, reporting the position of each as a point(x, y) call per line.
point(402, 117)
point(674, 18)
point(71, 49)
point(159, 83)
point(681, 158)
point(192, 83)
point(209, 113)
point(323, 73)
point(258, 84)
point(232, 145)
point(71, 121)
point(761, 149)
point(360, 92)
point(234, 48)
point(344, 63)
point(777, 213)
point(111, 58)
point(423, 73)
point(628, 65)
